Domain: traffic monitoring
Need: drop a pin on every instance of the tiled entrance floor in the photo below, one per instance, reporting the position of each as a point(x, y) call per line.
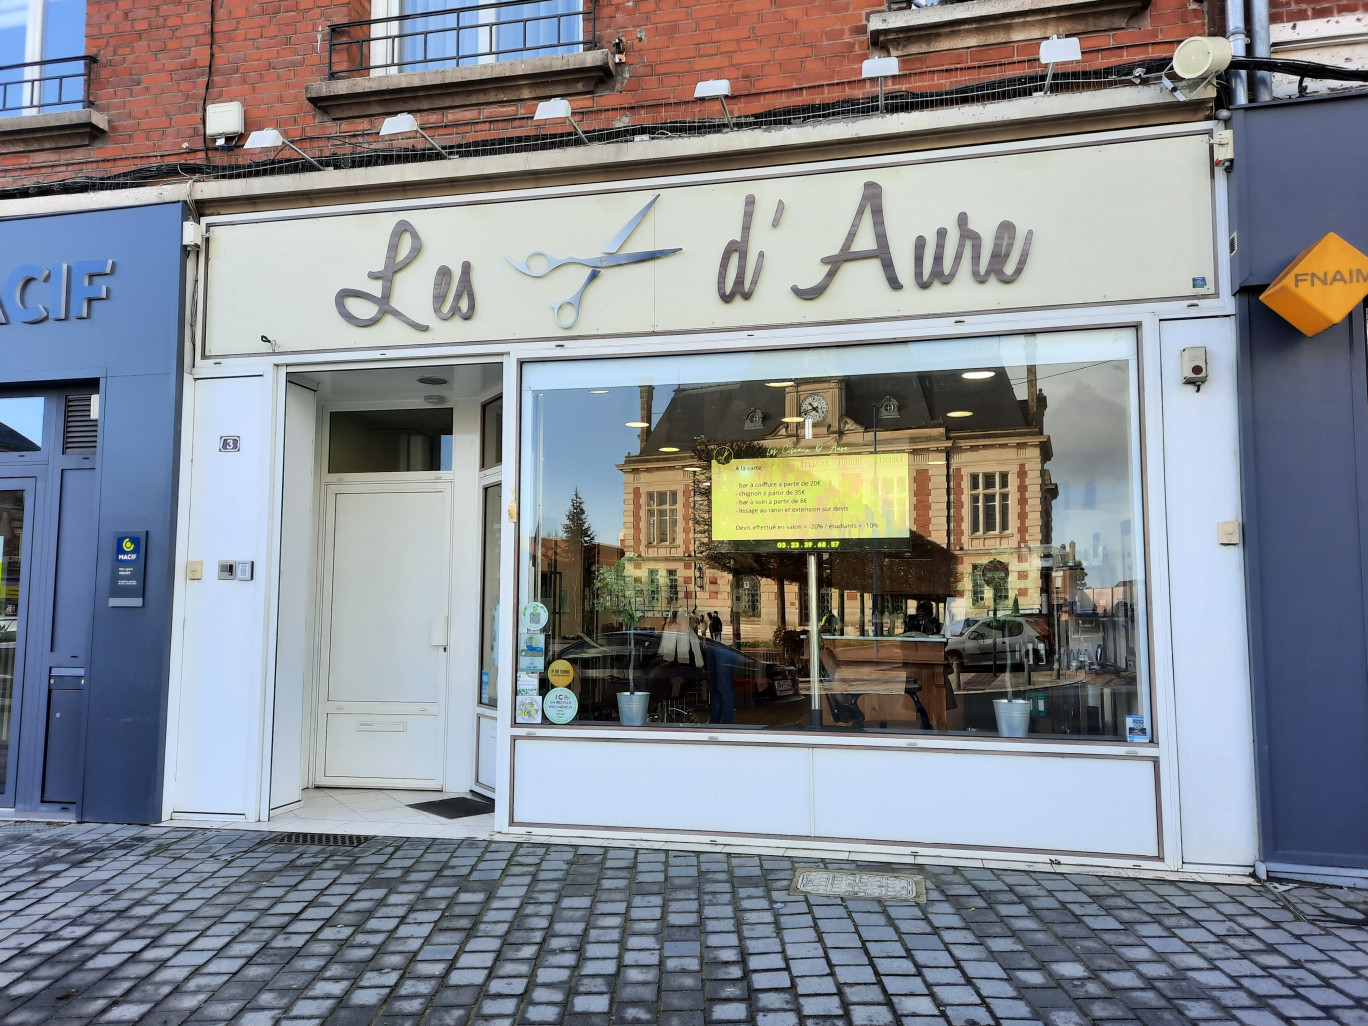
point(371, 811)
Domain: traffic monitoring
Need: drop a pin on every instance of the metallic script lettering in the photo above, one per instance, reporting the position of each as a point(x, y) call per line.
point(72, 284)
point(462, 304)
point(394, 263)
point(982, 266)
point(740, 249)
point(871, 200)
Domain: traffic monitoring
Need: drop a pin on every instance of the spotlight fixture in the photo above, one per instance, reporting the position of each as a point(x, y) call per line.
point(598, 391)
point(1058, 50)
point(637, 424)
point(556, 109)
point(880, 68)
point(402, 124)
point(431, 379)
point(979, 375)
point(778, 384)
point(669, 448)
point(794, 420)
point(960, 413)
point(271, 139)
point(716, 89)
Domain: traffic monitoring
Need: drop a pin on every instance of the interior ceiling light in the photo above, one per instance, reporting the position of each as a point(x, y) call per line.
point(637, 424)
point(431, 379)
point(778, 384)
point(434, 400)
point(977, 375)
point(669, 448)
point(793, 420)
point(960, 413)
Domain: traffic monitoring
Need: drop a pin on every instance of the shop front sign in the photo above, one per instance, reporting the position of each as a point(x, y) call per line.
point(1320, 287)
point(838, 242)
point(34, 293)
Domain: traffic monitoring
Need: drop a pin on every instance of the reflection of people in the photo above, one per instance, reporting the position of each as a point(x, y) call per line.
point(715, 625)
point(721, 663)
point(678, 644)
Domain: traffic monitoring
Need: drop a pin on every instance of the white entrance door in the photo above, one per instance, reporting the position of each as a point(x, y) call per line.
point(384, 661)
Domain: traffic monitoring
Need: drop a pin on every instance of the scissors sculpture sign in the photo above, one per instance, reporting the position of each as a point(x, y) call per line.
point(597, 264)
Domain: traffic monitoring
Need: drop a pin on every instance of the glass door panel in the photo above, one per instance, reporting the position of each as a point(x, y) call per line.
point(14, 503)
point(489, 675)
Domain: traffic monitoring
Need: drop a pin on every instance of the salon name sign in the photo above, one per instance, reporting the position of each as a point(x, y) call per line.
point(841, 242)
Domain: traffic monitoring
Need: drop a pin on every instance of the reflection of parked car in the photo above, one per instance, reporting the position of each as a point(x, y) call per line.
point(601, 667)
point(1004, 643)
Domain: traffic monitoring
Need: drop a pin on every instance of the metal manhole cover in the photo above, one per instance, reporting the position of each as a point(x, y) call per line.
point(849, 883)
point(317, 840)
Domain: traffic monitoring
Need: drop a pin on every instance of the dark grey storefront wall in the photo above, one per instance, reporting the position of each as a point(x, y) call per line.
point(130, 345)
point(1304, 418)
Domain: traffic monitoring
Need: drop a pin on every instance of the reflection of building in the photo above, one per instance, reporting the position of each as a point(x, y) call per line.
point(977, 469)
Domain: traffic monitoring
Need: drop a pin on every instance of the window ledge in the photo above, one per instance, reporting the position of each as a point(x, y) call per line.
point(534, 78)
point(960, 26)
point(52, 131)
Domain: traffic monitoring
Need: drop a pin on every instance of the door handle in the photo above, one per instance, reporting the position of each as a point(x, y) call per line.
point(438, 631)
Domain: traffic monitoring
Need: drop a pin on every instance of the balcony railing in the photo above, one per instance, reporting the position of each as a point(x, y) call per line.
point(45, 87)
point(457, 37)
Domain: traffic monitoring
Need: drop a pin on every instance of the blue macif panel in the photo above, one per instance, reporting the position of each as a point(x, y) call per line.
point(131, 344)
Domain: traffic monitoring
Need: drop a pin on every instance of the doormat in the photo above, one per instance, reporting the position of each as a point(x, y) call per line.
point(455, 808)
point(848, 883)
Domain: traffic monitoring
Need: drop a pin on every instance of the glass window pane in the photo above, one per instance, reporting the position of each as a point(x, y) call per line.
point(21, 424)
point(928, 612)
point(11, 598)
point(389, 441)
point(489, 647)
point(491, 432)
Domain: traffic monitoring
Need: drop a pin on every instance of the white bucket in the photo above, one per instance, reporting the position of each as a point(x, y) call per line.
point(1013, 716)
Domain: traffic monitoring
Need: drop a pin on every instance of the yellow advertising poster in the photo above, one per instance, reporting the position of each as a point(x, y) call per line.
point(810, 497)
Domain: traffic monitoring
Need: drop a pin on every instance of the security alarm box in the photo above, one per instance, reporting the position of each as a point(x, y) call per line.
point(1194, 365)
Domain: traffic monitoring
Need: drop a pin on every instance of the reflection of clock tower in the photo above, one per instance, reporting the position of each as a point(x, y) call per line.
point(816, 401)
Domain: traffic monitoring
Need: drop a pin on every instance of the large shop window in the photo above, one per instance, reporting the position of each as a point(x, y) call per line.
point(970, 507)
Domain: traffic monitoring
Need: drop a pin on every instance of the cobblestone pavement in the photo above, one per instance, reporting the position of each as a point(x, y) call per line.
point(164, 926)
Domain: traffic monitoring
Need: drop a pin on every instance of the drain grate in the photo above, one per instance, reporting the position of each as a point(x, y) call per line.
point(845, 883)
point(317, 840)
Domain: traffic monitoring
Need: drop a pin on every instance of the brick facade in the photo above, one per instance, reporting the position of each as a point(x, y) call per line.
point(158, 67)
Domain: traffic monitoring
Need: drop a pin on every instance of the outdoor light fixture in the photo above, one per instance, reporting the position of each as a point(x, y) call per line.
point(402, 124)
point(716, 89)
point(1058, 50)
point(271, 139)
point(977, 375)
point(556, 109)
point(880, 68)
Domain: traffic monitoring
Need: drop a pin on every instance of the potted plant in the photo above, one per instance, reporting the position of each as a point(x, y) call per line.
point(1013, 714)
point(617, 592)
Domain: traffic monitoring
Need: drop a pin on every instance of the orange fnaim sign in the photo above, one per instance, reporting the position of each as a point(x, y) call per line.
point(1320, 287)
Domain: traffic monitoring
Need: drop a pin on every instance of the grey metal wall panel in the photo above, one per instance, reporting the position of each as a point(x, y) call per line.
point(1298, 173)
point(1305, 418)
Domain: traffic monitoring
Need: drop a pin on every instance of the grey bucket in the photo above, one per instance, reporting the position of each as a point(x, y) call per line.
point(1013, 716)
point(632, 708)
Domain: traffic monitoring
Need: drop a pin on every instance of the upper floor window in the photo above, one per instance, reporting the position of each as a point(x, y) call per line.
point(33, 32)
point(424, 35)
point(662, 518)
point(989, 503)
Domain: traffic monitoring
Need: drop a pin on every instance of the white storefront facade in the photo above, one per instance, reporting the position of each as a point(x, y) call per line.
point(396, 401)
